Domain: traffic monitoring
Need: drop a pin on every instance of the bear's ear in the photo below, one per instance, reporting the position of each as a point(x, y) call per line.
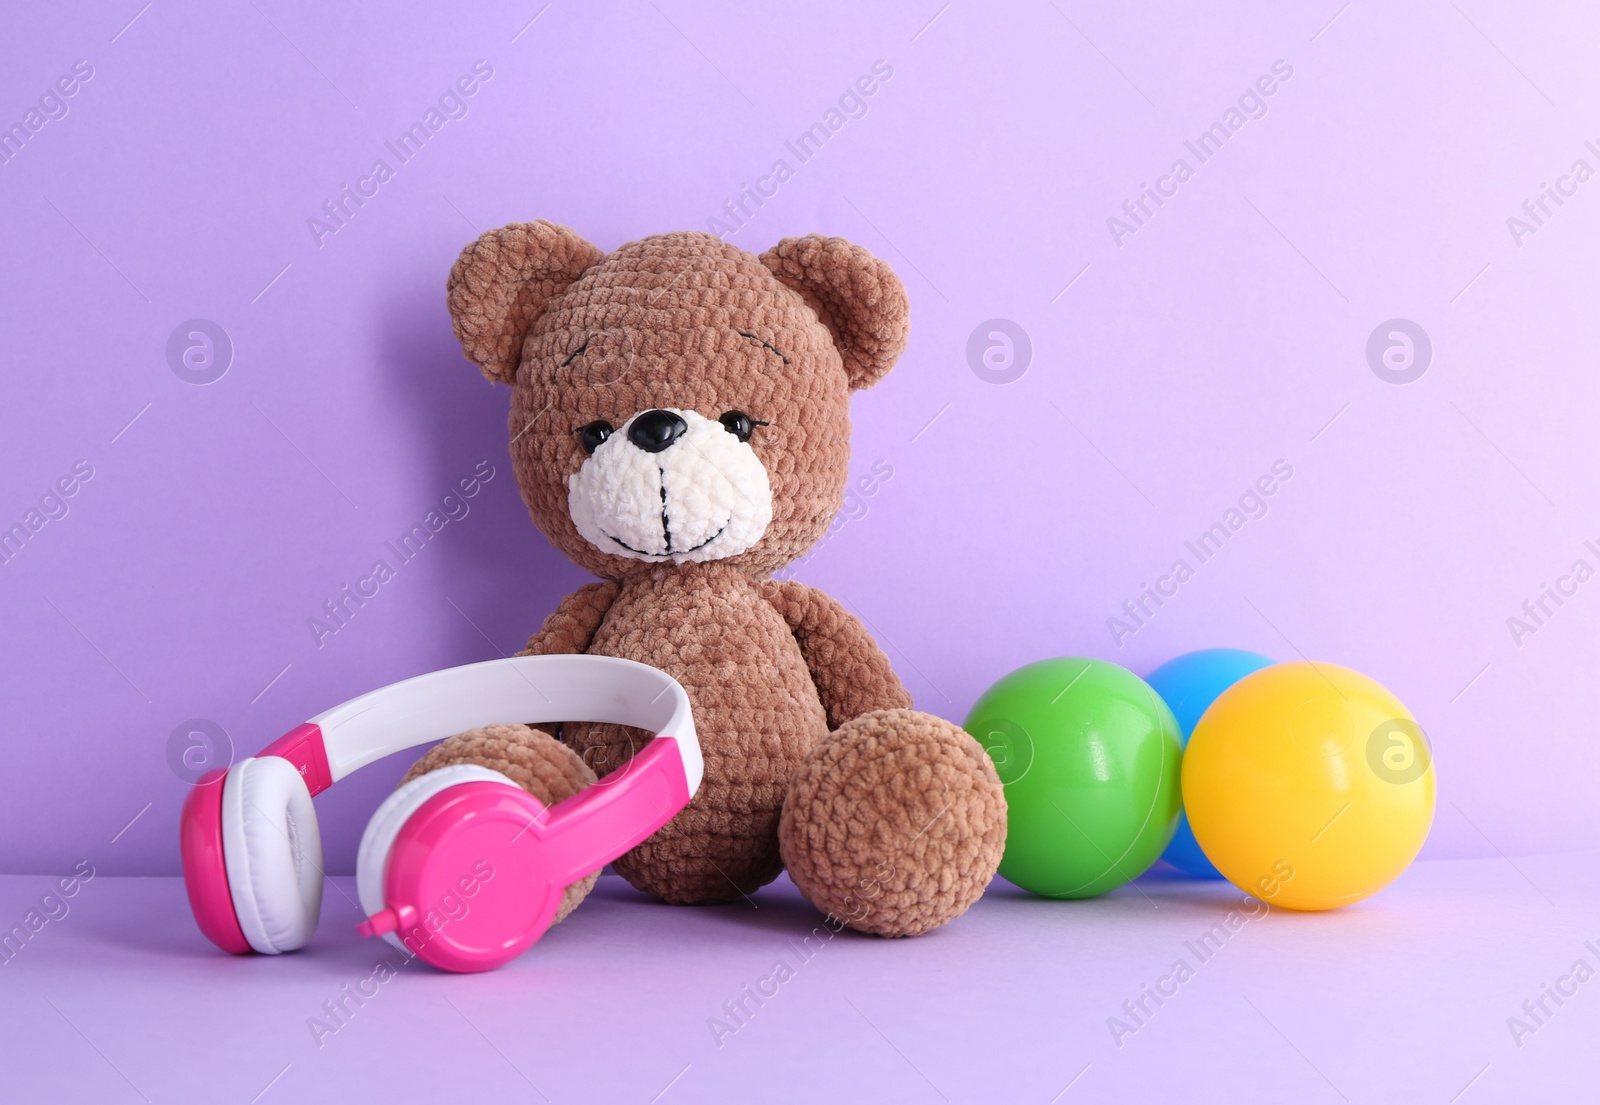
point(500, 284)
point(858, 297)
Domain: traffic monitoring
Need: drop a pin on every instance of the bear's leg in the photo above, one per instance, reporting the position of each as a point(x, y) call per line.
point(894, 824)
point(531, 758)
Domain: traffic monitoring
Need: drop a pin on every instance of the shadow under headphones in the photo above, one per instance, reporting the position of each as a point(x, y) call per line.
point(460, 867)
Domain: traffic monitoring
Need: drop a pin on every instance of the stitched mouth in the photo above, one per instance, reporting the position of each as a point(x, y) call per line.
point(675, 552)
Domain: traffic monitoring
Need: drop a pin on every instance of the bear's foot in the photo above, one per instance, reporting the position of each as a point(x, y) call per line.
point(895, 824)
point(531, 758)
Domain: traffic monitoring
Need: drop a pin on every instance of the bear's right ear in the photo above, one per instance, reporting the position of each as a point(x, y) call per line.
point(500, 284)
point(857, 296)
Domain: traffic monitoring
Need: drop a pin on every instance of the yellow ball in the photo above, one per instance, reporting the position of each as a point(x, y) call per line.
point(1309, 785)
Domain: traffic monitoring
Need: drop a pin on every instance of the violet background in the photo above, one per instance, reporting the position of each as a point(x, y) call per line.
point(1227, 333)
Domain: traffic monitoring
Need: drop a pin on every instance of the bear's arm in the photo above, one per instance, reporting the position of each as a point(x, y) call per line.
point(570, 628)
point(852, 675)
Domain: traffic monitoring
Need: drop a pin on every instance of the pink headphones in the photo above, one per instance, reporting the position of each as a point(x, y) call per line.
point(460, 867)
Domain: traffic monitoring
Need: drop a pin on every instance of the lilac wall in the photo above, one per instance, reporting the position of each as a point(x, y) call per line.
point(1172, 359)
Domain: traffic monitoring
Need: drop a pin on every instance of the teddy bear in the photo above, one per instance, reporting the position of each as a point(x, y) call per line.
point(680, 428)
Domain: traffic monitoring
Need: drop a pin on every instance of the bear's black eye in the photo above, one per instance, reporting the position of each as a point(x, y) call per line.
point(594, 435)
point(739, 424)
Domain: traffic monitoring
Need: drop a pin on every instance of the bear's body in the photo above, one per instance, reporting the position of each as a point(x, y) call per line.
point(680, 427)
point(712, 629)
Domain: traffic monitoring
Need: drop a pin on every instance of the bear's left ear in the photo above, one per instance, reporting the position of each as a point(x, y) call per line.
point(858, 297)
point(500, 284)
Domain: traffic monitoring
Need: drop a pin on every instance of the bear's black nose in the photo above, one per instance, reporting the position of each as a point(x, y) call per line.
point(653, 431)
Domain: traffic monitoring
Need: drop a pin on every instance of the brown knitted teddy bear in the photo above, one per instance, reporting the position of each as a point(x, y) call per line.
point(680, 427)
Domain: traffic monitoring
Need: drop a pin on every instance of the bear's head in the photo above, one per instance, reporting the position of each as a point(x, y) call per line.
point(678, 401)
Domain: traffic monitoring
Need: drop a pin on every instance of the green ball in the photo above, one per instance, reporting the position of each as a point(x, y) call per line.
point(1091, 762)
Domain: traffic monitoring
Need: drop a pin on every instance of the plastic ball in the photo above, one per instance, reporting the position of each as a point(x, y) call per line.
point(1090, 760)
point(1188, 684)
point(1309, 785)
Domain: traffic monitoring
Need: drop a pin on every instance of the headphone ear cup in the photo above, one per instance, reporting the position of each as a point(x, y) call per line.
point(273, 851)
point(372, 858)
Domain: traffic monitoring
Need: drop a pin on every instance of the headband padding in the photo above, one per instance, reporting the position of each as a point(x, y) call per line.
point(273, 852)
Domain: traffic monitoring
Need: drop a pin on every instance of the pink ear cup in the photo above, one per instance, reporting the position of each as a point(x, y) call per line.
point(372, 855)
point(205, 871)
point(273, 853)
point(200, 837)
point(465, 888)
point(476, 874)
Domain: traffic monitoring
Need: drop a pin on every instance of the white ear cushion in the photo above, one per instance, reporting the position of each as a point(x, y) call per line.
point(372, 858)
point(273, 853)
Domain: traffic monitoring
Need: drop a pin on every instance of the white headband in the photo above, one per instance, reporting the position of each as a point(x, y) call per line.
point(531, 689)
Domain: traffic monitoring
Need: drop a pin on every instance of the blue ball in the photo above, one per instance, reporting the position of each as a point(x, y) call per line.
point(1188, 685)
